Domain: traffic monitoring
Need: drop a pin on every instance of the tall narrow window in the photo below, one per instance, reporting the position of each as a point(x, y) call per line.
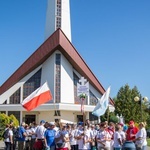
point(15, 98)
point(32, 84)
point(58, 14)
point(57, 77)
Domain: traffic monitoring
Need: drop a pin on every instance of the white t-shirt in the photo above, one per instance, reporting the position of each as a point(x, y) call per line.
point(102, 136)
point(141, 133)
point(73, 141)
point(80, 141)
point(117, 136)
point(87, 136)
point(40, 130)
point(10, 133)
point(65, 134)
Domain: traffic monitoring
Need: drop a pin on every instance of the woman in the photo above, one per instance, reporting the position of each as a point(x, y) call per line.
point(103, 137)
point(62, 139)
point(9, 140)
point(118, 141)
point(140, 138)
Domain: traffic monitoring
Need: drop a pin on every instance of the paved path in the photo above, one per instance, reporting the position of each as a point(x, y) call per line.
point(2, 144)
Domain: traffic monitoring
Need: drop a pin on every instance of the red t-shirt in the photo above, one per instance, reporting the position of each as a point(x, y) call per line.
point(132, 131)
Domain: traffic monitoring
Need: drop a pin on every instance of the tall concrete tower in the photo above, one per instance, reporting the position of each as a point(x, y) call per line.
point(58, 16)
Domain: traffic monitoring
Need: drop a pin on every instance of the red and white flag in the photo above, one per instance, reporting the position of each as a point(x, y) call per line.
point(38, 97)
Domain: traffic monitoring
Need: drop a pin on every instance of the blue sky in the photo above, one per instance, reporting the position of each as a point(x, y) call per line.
point(112, 36)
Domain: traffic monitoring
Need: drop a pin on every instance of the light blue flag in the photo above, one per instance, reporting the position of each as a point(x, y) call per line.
point(102, 104)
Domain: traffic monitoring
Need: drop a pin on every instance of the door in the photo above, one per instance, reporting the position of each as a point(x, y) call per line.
point(30, 119)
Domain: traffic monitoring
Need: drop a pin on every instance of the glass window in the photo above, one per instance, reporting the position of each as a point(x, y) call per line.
point(93, 99)
point(15, 98)
point(57, 77)
point(32, 84)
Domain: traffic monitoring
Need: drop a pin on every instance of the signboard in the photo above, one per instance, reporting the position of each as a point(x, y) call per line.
point(83, 88)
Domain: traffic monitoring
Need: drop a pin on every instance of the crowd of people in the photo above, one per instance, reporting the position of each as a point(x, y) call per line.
point(81, 136)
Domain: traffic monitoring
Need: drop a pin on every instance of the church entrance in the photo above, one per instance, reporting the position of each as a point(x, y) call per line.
point(30, 118)
point(79, 118)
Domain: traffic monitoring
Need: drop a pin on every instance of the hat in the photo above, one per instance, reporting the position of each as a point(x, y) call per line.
point(131, 122)
point(51, 123)
point(121, 124)
point(42, 121)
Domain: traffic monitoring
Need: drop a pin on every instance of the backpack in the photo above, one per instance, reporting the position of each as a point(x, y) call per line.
point(17, 133)
point(6, 134)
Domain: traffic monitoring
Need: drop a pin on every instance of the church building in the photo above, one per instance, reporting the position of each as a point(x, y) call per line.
point(58, 63)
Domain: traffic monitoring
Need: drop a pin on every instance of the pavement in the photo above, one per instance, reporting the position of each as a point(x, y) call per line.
point(2, 145)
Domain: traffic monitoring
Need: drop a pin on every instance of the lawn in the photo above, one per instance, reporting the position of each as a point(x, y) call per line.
point(148, 141)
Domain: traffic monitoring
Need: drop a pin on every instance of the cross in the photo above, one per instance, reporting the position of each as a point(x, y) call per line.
point(82, 80)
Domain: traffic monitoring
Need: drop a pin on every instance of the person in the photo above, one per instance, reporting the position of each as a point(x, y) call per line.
point(131, 131)
point(87, 138)
point(93, 137)
point(103, 137)
point(9, 139)
point(140, 138)
point(111, 130)
point(33, 136)
point(118, 142)
point(21, 139)
point(49, 136)
point(39, 132)
point(73, 140)
point(80, 136)
point(62, 138)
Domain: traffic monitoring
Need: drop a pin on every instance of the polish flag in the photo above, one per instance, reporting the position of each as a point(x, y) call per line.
point(38, 97)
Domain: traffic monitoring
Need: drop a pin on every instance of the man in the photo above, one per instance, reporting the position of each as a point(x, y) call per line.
point(40, 130)
point(49, 136)
point(21, 139)
point(131, 131)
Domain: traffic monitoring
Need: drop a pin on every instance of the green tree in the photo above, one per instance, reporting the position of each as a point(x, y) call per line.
point(125, 104)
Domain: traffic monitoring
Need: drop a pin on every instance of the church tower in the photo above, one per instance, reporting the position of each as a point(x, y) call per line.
point(58, 16)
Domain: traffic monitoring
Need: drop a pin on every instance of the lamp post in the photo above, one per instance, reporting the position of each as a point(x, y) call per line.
point(137, 99)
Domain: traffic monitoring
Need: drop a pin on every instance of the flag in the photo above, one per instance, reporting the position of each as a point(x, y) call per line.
point(38, 97)
point(102, 104)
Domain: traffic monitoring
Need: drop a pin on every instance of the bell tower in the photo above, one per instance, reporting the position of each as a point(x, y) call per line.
point(58, 16)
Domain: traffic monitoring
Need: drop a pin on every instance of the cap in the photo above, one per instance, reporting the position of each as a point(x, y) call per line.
point(121, 124)
point(42, 121)
point(51, 123)
point(131, 122)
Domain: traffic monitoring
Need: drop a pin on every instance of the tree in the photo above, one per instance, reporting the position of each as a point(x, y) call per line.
point(125, 104)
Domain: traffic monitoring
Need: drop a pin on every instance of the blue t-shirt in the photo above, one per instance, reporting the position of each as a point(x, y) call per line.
point(50, 137)
point(22, 131)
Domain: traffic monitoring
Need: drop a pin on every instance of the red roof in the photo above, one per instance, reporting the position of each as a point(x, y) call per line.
point(57, 41)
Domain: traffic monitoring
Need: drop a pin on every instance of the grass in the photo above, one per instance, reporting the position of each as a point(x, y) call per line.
point(148, 141)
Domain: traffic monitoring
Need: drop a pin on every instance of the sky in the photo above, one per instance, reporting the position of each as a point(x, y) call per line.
point(112, 36)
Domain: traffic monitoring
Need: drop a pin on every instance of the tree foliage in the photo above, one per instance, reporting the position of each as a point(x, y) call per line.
point(125, 105)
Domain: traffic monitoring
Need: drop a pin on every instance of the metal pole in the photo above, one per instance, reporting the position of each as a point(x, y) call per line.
point(141, 109)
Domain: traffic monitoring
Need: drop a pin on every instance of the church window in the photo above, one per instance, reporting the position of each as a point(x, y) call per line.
point(15, 98)
point(32, 84)
point(58, 14)
point(93, 99)
point(57, 77)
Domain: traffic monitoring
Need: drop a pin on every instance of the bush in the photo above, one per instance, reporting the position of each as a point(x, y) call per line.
point(4, 120)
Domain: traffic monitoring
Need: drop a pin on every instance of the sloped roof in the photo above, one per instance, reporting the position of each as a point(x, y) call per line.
point(59, 41)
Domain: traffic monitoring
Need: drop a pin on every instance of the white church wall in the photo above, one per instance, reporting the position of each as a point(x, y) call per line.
point(67, 86)
point(66, 27)
point(50, 18)
point(48, 73)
